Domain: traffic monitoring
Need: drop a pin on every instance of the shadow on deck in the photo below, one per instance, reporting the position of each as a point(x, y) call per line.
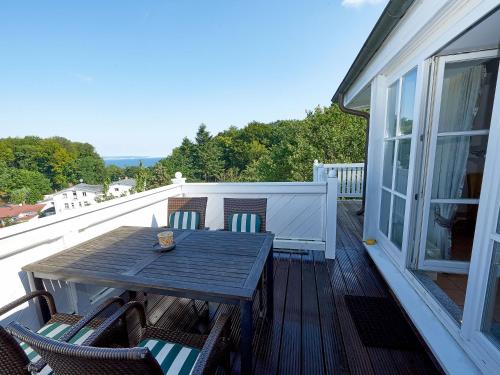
point(312, 331)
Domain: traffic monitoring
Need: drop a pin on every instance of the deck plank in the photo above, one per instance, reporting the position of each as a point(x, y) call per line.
point(333, 346)
point(312, 346)
point(290, 354)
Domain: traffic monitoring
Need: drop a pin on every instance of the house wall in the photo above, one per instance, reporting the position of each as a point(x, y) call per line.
point(119, 190)
point(82, 200)
point(426, 29)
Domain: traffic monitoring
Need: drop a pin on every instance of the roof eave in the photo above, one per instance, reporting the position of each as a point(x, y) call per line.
point(390, 17)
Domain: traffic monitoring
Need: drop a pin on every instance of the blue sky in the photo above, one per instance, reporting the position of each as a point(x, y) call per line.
point(135, 77)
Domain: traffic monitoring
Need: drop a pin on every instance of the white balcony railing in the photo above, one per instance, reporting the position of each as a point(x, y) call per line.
point(301, 215)
point(349, 177)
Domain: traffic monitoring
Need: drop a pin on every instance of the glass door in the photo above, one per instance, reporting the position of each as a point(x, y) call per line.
point(456, 152)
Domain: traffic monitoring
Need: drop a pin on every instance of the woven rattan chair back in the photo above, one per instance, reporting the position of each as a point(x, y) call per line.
point(248, 206)
point(12, 357)
point(68, 359)
point(197, 204)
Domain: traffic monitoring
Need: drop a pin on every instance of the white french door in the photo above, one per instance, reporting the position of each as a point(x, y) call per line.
point(454, 156)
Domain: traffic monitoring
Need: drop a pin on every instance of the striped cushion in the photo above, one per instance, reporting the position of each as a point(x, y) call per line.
point(55, 331)
point(184, 220)
point(244, 223)
point(174, 359)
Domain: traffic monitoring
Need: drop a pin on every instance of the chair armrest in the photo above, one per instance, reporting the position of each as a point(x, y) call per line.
point(91, 315)
point(219, 330)
point(118, 314)
point(39, 293)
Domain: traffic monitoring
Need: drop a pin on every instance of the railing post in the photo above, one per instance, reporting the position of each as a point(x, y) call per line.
point(315, 170)
point(331, 215)
point(178, 179)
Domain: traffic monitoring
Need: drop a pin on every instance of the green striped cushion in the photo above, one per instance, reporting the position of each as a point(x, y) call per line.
point(184, 220)
point(55, 331)
point(244, 223)
point(174, 359)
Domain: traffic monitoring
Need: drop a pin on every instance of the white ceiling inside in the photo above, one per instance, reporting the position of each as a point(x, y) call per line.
point(485, 35)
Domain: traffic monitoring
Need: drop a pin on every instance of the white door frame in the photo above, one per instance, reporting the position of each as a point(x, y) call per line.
point(449, 266)
point(477, 286)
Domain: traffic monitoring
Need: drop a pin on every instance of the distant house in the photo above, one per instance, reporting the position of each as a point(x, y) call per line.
point(13, 214)
point(78, 196)
point(83, 195)
point(122, 187)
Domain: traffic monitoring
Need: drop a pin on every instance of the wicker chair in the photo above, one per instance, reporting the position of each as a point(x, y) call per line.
point(198, 204)
point(251, 206)
point(68, 359)
point(13, 359)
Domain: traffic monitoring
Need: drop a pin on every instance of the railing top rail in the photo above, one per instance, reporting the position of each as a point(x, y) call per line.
point(343, 165)
point(56, 219)
point(243, 184)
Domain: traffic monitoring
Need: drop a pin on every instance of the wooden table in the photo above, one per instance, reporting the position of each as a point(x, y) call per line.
point(214, 266)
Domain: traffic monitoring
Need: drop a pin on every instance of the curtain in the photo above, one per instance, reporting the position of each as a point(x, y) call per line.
point(461, 90)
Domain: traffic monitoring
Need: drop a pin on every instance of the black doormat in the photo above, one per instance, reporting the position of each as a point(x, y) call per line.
point(380, 323)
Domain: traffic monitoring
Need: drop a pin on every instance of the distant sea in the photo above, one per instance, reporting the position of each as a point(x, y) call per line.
point(130, 161)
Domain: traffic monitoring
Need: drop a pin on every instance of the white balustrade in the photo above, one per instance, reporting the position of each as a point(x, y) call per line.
point(302, 215)
point(349, 177)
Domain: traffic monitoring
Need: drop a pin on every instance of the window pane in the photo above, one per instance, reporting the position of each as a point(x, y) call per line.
point(392, 110)
point(407, 102)
point(388, 163)
point(491, 319)
point(450, 231)
point(467, 96)
point(398, 220)
point(385, 209)
point(458, 167)
point(402, 165)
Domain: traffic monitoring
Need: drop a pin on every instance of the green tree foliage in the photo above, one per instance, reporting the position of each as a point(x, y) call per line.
point(114, 173)
point(22, 186)
point(278, 151)
point(62, 161)
point(142, 179)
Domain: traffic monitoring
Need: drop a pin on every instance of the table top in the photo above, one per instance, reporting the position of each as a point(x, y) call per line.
point(212, 265)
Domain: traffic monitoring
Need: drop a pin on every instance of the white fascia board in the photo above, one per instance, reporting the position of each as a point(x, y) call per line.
point(450, 355)
point(428, 26)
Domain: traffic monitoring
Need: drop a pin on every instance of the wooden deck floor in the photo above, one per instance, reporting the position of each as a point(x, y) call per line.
point(312, 331)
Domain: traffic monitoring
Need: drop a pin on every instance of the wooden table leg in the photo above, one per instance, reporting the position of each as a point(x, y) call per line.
point(246, 336)
point(270, 285)
point(43, 311)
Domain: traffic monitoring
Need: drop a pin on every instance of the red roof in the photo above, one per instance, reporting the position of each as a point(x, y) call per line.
point(14, 210)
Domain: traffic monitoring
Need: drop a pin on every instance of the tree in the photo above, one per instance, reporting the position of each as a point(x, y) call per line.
point(63, 162)
point(19, 196)
point(89, 169)
point(141, 178)
point(115, 173)
point(22, 186)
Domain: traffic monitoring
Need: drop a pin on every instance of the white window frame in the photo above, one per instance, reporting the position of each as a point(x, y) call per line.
point(398, 255)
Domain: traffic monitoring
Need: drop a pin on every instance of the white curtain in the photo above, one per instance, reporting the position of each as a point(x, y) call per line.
point(461, 90)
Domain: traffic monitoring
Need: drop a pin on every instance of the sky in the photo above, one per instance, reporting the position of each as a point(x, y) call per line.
point(135, 77)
